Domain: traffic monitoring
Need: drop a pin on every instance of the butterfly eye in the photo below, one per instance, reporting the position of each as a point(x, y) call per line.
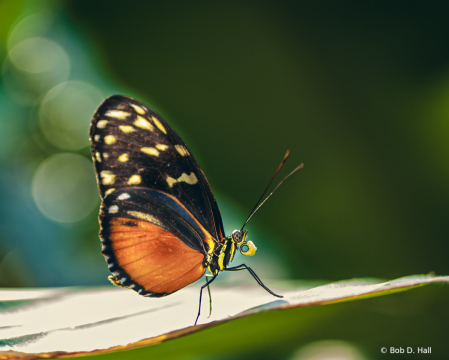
point(237, 237)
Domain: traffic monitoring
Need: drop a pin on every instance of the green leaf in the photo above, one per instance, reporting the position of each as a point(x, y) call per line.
point(74, 321)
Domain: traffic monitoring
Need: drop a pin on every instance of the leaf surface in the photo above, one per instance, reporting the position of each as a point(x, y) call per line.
point(73, 321)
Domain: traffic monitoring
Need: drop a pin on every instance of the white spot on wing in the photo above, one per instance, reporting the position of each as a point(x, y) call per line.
point(134, 180)
point(98, 156)
point(143, 123)
point(108, 191)
point(189, 179)
point(123, 196)
point(123, 158)
point(159, 125)
point(97, 137)
point(150, 151)
point(107, 177)
point(113, 209)
point(126, 128)
point(138, 109)
point(182, 150)
point(109, 139)
point(170, 181)
point(161, 147)
point(102, 124)
point(118, 114)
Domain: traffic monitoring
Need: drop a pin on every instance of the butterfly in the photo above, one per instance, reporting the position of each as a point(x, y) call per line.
point(160, 226)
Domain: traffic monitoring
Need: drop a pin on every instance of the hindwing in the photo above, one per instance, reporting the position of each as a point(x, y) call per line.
point(152, 244)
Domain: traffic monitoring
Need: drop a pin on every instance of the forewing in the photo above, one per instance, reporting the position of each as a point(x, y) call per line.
point(133, 147)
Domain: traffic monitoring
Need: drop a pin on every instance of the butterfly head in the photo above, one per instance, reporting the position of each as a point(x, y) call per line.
point(239, 236)
point(247, 248)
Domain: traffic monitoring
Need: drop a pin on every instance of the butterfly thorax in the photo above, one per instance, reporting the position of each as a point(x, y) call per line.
point(224, 252)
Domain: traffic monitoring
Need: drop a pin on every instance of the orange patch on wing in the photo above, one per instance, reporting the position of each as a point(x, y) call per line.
point(153, 257)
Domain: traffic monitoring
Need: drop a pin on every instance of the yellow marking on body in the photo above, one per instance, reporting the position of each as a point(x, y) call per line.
point(113, 209)
point(107, 177)
point(123, 196)
point(150, 151)
point(232, 251)
point(143, 123)
point(126, 128)
point(158, 124)
point(189, 179)
point(118, 114)
point(138, 109)
point(97, 137)
point(97, 156)
point(109, 139)
point(161, 147)
point(182, 150)
point(105, 155)
point(146, 217)
point(123, 158)
point(108, 191)
point(134, 180)
point(222, 255)
point(102, 124)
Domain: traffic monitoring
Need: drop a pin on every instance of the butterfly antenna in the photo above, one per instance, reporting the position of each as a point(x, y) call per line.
point(257, 206)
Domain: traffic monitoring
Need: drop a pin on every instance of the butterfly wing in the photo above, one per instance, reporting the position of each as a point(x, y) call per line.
point(152, 244)
point(158, 216)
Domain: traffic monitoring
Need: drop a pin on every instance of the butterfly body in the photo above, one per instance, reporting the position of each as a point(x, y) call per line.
point(160, 225)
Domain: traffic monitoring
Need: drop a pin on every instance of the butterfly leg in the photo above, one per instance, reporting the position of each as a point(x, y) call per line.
point(253, 274)
point(210, 296)
point(201, 294)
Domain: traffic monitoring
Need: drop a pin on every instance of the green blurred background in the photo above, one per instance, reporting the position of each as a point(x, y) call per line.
point(358, 91)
